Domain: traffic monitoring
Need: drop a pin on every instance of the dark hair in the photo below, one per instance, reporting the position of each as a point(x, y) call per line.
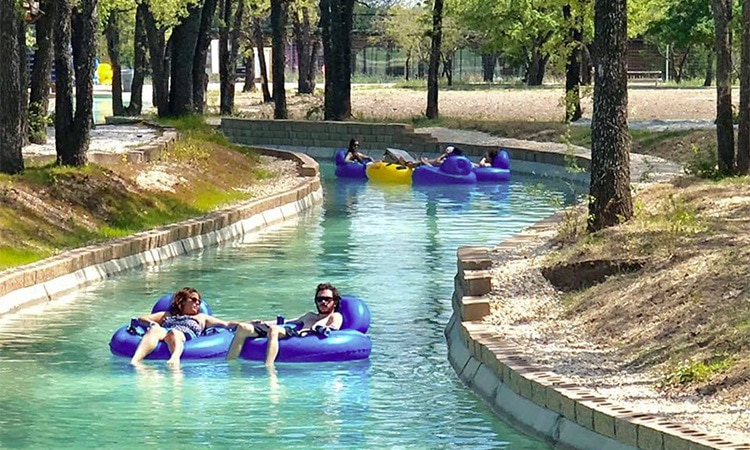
point(334, 291)
point(352, 141)
point(457, 152)
point(181, 297)
point(492, 153)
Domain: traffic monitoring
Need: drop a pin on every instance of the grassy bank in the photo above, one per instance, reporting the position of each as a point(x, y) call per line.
point(48, 209)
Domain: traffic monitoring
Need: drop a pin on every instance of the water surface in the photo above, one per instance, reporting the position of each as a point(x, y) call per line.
point(393, 246)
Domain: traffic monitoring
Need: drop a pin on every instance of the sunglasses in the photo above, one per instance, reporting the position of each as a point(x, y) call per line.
point(323, 299)
point(194, 300)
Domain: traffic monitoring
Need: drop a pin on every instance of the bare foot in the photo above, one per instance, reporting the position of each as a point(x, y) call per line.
point(173, 363)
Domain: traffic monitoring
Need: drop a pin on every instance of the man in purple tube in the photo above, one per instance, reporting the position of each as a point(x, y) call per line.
point(327, 318)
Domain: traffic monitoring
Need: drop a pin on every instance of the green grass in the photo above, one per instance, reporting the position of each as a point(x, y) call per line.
point(690, 371)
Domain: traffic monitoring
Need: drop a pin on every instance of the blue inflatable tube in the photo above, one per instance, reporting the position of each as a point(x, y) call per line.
point(349, 343)
point(213, 344)
point(491, 174)
point(454, 170)
point(499, 171)
point(348, 169)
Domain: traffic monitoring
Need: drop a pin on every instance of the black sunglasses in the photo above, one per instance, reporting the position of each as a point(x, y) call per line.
point(323, 299)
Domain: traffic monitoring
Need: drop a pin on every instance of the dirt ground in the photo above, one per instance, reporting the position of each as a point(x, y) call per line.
point(495, 103)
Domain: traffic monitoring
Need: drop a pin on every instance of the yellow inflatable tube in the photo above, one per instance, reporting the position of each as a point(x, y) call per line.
point(387, 172)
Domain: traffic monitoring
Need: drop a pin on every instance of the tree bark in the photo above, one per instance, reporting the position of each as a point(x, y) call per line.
point(278, 43)
point(336, 26)
point(249, 85)
point(722, 12)
point(63, 79)
point(258, 32)
point(112, 34)
point(488, 67)
point(140, 61)
point(537, 67)
point(610, 199)
point(573, 67)
point(200, 77)
point(229, 33)
point(709, 78)
point(41, 73)
point(183, 44)
point(586, 65)
point(160, 63)
point(743, 129)
point(432, 111)
point(12, 88)
point(307, 44)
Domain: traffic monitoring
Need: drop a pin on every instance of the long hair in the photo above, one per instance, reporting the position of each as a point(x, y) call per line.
point(181, 297)
point(352, 141)
point(334, 291)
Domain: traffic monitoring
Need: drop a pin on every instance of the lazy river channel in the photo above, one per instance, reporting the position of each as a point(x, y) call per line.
point(393, 246)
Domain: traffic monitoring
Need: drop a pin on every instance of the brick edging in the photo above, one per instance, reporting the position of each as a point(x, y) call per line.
point(544, 403)
point(38, 282)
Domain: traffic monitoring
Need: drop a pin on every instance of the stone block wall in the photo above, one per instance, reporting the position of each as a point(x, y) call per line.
point(320, 138)
point(327, 134)
point(540, 402)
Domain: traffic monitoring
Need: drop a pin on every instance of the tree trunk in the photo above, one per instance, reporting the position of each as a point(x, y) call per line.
point(203, 41)
point(160, 63)
point(24, 77)
point(278, 44)
point(307, 52)
point(40, 75)
point(336, 29)
point(262, 61)
point(75, 31)
point(229, 34)
point(140, 61)
point(743, 129)
point(432, 75)
point(573, 67)
point(112, 34)
point(448, 68)
point(63, 80)
point(249, 85)
point(610, 200)
point(488, 67)
point(586, 66)
point(709, 79)
point(12, 88)
point(537, 66)
point(722, 12)
point(183, 44)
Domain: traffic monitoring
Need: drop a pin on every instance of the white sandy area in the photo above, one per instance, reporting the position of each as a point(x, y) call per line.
point(104, 139)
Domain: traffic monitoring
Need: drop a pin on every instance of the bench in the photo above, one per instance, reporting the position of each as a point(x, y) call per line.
point(645, 75)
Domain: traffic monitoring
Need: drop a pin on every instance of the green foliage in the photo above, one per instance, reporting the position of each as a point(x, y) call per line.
point(681, 217)
point(692, 371)
point(703, 163)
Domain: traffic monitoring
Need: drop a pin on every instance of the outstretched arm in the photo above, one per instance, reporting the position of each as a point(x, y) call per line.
point(212, 321)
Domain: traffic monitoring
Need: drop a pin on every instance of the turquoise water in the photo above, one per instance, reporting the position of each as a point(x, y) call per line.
point(394, 246)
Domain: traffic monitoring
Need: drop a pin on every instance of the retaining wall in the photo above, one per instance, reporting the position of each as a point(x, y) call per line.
point(45, 280)
point(321, 138)
point(541, 402)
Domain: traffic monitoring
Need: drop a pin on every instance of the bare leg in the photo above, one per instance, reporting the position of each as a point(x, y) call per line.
point(244, 331)
point(175, 339)
point(148, 343)
point(273, 344)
